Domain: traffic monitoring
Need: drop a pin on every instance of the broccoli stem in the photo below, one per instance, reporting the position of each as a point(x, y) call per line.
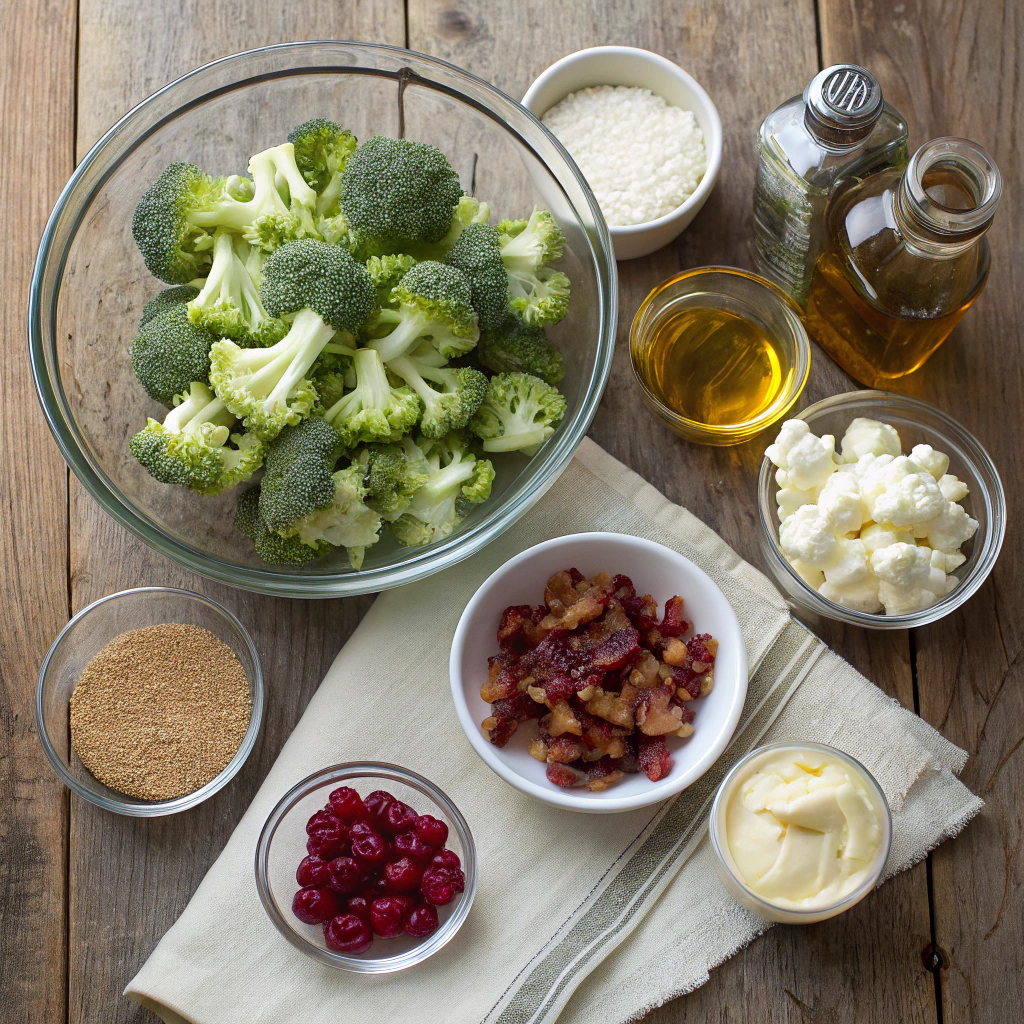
point(230, 284)
point(411, 325)
point(371, 384)
point(515, 442)
point(444, 483)
point(197, 409)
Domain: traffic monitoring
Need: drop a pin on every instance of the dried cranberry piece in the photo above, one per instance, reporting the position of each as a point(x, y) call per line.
point(654, 757)
point(387, 914)
point(620, 649)
point(685, 678)
point(431, 830)
point(561, 688)
point(399, 817)
point(376, 803)
point(517, 630)
point(509, 713)
point(315, 905)
point(503, 676)
point(311, 871)
point(321, 820)
point(421, 921)
point(347, 805)
point(403, 875)
point(360, 906)
point(438, 886)
point(345, 875)
point(374, 889)
point(370, 851)
point(326, 844)
point(446, 859)
point(409, 844)
point(348, 933)
point(673, 623)
point(698, 648)
point(564, 775)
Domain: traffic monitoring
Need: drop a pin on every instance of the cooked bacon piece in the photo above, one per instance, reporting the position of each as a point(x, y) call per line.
point(673, 624)
point(565, 749)
point(656, 715)
point(564, 776)
point(551, 658)
point(518, 631)
point(502, 679)
point(655, 760)
point(506, 716)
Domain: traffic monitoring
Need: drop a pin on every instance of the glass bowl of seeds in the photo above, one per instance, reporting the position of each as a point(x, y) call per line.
point(149, 701)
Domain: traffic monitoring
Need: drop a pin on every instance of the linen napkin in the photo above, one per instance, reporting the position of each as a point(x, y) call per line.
point(571, 909)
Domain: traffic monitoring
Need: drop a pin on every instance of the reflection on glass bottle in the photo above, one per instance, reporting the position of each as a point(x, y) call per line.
point(838, 128)
point(907, 258)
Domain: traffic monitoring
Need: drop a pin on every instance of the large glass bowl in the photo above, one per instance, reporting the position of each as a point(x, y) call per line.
point(90, 283)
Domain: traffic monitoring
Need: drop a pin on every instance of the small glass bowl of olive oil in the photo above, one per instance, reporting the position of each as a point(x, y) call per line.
point(720, 354)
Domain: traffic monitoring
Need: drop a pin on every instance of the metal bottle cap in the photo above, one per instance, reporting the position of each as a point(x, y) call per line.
point(843, 103)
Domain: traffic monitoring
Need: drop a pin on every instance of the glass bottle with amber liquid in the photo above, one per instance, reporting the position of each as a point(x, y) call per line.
point(907, 257)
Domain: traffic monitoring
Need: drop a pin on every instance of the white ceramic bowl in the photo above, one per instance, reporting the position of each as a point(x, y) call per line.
point(630, 66)
point(654, 569)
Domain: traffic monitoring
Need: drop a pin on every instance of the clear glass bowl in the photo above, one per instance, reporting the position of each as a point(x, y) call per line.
point(726, 866)
point(90, 284)
point(916, 422)
point(282, 845)
point(91, 630)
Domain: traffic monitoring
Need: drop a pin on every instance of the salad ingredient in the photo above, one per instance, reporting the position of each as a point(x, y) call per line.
point(348, 933)
point(170, 353)
point(801, 828)
point(177, 295)
point(873, 529)
point(271, 546)
point(448, 406)
point(607, 681)
point(538, 295)
point(642, 157)
point(515, 347)
point(159, 712)
point(519, 412)
point(477, 254)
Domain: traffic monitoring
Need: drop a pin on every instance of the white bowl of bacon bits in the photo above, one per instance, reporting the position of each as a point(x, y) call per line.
point(599, 672)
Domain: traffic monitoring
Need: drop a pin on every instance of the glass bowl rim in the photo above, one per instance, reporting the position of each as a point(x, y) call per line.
point(733, 431)
point(366, 770)
point(155, 808)
point(992, 494)
point(832, 909)
point(426, 561)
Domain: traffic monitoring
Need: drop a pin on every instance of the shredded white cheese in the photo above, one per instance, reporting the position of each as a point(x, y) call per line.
point(642, 157)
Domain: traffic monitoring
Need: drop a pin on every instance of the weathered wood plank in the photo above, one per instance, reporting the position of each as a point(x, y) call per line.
point(749, 57)
point(37, 127)
point(954, 69)
point(130, 879)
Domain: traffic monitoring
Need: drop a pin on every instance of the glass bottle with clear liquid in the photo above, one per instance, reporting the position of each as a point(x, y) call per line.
point(907, 257)
point(839, 127)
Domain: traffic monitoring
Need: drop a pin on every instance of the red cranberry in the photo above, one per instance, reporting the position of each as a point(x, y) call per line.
point(438, 886)
point(409, 844)
point(369, 850)
point(345, 875)
point(322, 819)
point(347, 933)
point(311, 871)
point(399, 817)
point(375, 889)
point(360, 906)
point(326, 844)
point(376, 804)
point(402, 875)
point(387, 914)
point(432, 831)
point(421, 921)
point(347, 804)
point(446, 859)
point(315, 905)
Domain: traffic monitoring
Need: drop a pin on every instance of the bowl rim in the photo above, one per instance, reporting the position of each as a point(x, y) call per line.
point(422, 561)
point(155, 808)
point(962, 438)
point(606, 802)
point(697, 198)
point(797, 914)
point(366, 770)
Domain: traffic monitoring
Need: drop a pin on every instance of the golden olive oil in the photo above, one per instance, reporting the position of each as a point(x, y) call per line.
point(715, 366)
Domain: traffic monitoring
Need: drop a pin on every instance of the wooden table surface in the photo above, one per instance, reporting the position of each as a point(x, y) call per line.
point(86, 895)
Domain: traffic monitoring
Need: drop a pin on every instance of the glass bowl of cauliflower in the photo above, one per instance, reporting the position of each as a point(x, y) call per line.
point(879, 510)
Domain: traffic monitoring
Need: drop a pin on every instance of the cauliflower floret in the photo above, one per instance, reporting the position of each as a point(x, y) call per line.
point(947, 561)
point(848, 564)
point(862, 595)
point(907, 580)
point(805, 461)
point(840, 502)
point(900, 492)
point(953, 489)
point(808, 536)
point(881, 535)
point(864, 436)
point(928, 458)
point(946, 532)
point(810, 574)
point(790, 499)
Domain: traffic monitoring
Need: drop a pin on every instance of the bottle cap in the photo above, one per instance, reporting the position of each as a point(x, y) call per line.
point(843, 103)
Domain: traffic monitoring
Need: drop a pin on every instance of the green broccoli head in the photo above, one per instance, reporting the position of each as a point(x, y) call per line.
point(393, 475)
point(272, 547)
point(373, 411)
point(478, 255)
point(170, 353)
point(386, 272)
point(190, 447)
point(297, 479)
point(518, 347)
point(434, 301)
point(398, 194)
point(456, 481)
point(450, 396)
point(519, 413)
point(538, 295)
point(178, 295)
point(322, 149)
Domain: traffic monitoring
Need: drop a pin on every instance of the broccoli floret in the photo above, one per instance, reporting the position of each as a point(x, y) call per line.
point(397, 194)
point(272, 547)
point(330, 385)
point(435, 301)
point(297, 479)
point(386, 272)
point(478, 255)
point(170, 353)
point(322, 149)
point(190, 446)
point(178, 295)
point(229, 304)
point(447, 407)
point(537, 294)
point(373, 410)
point(393, 474)
point(327, 291)
point(456, 480)
point(518, 347)
point(467, 211)
point(519, 413)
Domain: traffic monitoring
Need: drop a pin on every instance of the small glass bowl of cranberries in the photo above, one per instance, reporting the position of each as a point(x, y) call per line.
point(367, 867)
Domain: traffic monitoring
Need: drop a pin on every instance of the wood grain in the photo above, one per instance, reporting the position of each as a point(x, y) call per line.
point(130, 879)
point(36, 129)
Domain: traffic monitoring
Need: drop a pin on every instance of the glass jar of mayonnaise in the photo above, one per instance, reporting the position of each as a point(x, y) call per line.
point(801, 832)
